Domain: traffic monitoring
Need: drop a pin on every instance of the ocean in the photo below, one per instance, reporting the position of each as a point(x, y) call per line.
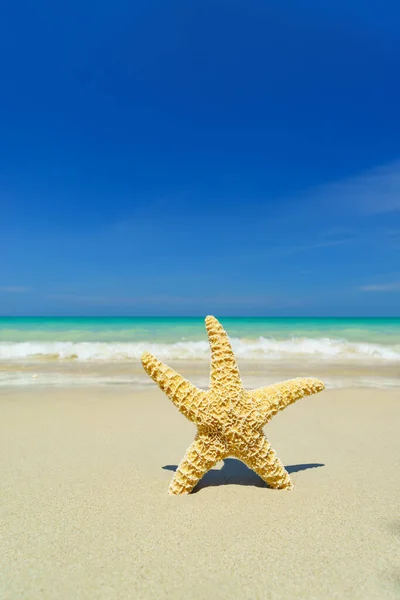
point(82, 351)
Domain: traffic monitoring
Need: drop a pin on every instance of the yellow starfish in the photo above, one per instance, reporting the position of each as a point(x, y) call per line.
point(229, 418)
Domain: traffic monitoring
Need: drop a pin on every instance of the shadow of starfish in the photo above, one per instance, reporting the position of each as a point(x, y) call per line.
point(237, 473)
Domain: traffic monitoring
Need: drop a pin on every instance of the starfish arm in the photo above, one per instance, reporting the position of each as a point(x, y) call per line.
point(262, 459)
point(274, 398)
point(201, 456)
point(187, 397)
point(224, 370)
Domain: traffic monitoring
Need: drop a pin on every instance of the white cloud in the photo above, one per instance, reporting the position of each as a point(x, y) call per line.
point(113, 300)
point(230, 301)
point(156, 299)
point(384, 287)
point(14, 289)
point(308, 247)
point(371, 192)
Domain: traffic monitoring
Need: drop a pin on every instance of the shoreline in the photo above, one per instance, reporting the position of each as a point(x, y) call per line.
point(64, 373)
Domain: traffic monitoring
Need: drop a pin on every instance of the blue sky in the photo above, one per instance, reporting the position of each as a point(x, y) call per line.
point(186, 158)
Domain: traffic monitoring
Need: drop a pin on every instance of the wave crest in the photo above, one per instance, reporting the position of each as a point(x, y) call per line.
point(261, 348)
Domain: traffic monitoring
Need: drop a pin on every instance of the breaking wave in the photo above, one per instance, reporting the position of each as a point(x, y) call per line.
point(261, 348)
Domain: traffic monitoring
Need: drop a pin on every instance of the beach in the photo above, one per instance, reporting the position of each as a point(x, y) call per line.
point(199, 245)
point(85, 511)
point(91, 351)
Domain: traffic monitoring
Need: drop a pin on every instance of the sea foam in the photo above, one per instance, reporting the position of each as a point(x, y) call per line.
point(245, 349)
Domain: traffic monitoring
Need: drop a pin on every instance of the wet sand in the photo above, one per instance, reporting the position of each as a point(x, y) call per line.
point(43, 371)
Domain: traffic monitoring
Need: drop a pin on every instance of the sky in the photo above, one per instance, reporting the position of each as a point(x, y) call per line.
point(193, 158)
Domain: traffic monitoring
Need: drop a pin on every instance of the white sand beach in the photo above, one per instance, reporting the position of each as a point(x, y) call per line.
point(85, 512)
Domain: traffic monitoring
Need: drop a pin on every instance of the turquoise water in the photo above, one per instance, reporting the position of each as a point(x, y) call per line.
point(54, 351)
point(172, 329)
point(185, 338)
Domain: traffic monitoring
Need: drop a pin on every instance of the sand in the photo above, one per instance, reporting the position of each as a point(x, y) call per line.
point(85, 514)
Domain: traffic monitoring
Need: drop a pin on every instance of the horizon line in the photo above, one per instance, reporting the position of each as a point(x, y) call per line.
point(197, 317)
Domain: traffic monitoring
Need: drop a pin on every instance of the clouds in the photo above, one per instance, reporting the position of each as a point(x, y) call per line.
point(318, 245)
point(383, 287)
point(14, 289)
point(176, 302)
point(369, 193)
point(266, 258)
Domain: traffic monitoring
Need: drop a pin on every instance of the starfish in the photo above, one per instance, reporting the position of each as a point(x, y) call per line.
point(229, 419)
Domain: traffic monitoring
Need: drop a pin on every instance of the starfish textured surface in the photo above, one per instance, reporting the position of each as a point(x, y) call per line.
point(229, 419)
